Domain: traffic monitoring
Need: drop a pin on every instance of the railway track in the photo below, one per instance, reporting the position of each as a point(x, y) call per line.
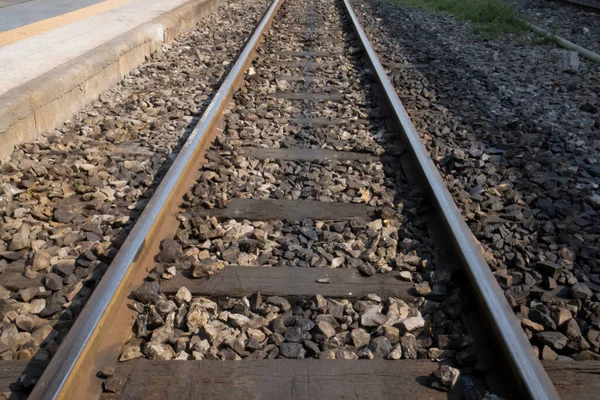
point(595, 8)
point(302, 245)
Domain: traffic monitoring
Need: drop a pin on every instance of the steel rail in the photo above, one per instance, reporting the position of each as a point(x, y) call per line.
point(581, 6)
point(68, 355)
point(533, 378)
point(562, 42)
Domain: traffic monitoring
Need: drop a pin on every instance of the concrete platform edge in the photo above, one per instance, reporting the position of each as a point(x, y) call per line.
point(47, 101)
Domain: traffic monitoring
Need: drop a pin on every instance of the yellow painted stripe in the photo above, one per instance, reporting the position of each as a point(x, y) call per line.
point(7, 3)
point(23, 32)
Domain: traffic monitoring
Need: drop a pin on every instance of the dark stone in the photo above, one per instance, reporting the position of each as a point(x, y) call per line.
point(296, 334)
point(542, 318)
point(278, 325)
point(309, 233)
point(444, 378)
point(114, 384)
point(578, 344)
point(304, 324)
point(581, 291)
point(50, 311)
point(454, 341)
point(107, 372)
point(65, 267)
point(366, 269)
point(169, 255)
point(517, 294)
point(312, 350)
point(147, 293)
point(63, 215)
point(231, 254)
point(280, 302)
point(409, 346)
point(380, 346)
point(466, 357)
point(556, 340)
point(548, 269)
point(549, 283)
point(53, 282)
point(257, 355)
point(292, 350)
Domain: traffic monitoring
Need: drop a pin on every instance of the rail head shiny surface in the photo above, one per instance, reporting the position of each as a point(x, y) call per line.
point(64, 361)
point(517, 347)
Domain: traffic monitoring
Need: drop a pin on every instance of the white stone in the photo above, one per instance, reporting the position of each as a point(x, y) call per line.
point(131, 353)
point(159, 351)
point(182, 356)
point(412, 323)
point(237, 320)
point(35, 307)
point(568, 61)
point(184, 294)
point(373, 317)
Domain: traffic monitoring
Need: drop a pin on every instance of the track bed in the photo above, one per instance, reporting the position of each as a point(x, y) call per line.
point(302, 245)
point(301, 227)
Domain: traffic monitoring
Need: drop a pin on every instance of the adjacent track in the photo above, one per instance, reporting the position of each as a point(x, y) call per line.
point(297, 141)
point(581, 5)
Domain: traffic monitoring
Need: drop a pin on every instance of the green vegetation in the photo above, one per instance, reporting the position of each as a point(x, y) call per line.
point(489, 16)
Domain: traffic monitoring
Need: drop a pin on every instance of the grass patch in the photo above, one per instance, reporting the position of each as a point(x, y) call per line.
point(490, 16)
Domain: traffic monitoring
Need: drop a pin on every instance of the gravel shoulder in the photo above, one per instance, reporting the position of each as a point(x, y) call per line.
point(516, 140)
point(579, 26)
point(69, 199)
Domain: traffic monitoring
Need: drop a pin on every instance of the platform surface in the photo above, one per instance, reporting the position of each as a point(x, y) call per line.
point(17, 13)
point(37, 36)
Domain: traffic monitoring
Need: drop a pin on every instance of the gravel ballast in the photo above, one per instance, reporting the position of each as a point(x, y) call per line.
point(268, 327)
point(578, 26)
point(69, 198)
point(393, 241)
point(515, 136)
